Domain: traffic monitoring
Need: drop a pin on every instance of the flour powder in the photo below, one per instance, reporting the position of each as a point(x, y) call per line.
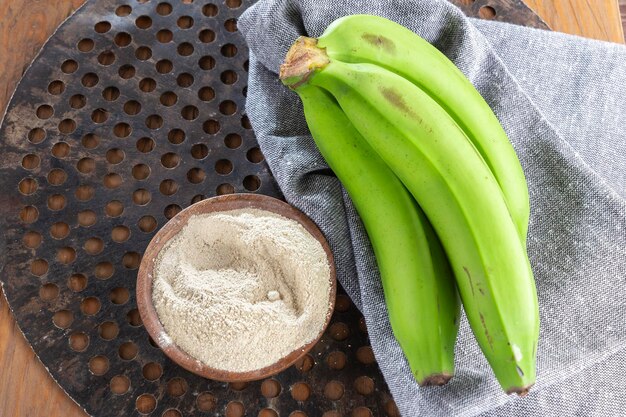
point(238, 290)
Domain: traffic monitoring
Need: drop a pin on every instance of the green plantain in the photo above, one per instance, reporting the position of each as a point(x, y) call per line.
point(376, 40)
point(418, 284)
point(432, 156)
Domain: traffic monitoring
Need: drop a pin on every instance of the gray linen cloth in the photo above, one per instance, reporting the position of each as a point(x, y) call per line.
point(562, 101)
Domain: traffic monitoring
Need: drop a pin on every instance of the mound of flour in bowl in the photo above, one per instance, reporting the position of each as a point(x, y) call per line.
point(239, 290)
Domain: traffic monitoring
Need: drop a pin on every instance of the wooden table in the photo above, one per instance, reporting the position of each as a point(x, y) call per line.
point(26, 388)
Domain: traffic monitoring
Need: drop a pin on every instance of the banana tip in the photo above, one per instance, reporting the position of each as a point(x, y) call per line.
point(521, 391)
point(436, 379)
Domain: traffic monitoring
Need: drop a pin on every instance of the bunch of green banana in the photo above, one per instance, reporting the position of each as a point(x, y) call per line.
point(424, 121)
point(416, 276)
point(375, 40)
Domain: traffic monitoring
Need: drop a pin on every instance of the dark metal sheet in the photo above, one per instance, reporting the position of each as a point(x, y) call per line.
point(132, 111)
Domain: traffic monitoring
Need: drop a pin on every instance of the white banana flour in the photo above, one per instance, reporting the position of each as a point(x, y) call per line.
point(238, 290)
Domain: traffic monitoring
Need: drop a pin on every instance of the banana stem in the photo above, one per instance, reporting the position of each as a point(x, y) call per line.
point(302, 60)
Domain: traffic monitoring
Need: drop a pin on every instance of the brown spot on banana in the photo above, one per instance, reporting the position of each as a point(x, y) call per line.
point(469, 277)
point(397, 101)
point(380, 42)
point(489, 338)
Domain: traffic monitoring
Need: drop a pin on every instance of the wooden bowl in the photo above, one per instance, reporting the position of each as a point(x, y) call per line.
point(144, 283)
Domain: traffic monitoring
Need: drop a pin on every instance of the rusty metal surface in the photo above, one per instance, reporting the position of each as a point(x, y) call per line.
point(132, 111)
point(511, 11)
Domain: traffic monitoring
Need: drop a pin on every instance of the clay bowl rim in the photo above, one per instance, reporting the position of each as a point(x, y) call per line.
point(144, 284)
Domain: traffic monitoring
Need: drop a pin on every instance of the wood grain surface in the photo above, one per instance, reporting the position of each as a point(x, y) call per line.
point(26, 388)
point(622, 9)
point(24, 27)
point(597, 19)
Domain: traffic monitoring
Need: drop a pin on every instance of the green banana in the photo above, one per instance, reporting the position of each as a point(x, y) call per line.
point(418, 284)
point(448, 177)
point(376, 40)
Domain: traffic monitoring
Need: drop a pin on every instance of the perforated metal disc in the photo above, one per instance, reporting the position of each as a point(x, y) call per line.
point(133, 111)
